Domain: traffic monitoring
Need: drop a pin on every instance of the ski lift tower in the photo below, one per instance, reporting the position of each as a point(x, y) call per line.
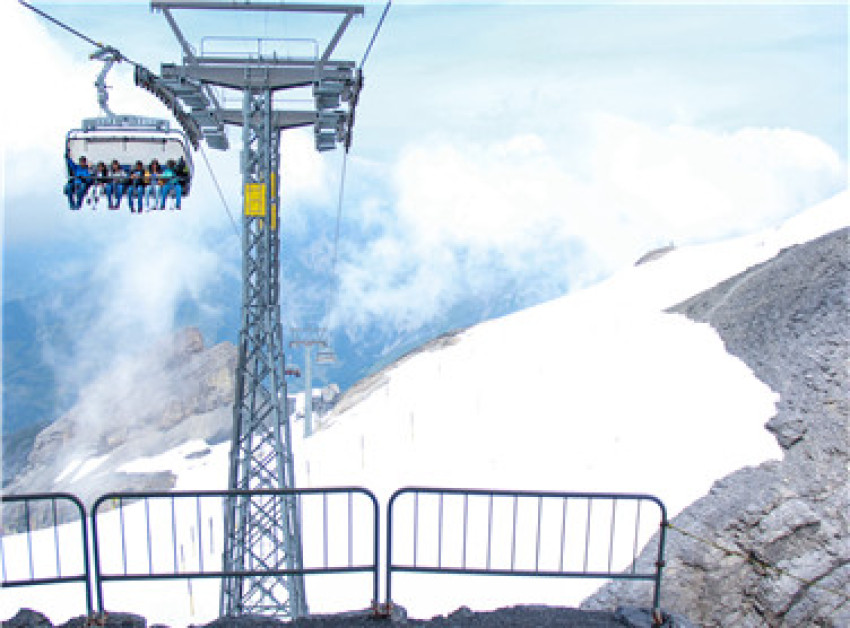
point(261, 532)
point(309, 338)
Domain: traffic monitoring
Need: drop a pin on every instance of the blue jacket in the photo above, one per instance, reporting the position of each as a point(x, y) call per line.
point(77, 171)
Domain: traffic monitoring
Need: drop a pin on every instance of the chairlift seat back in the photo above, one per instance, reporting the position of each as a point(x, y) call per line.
point(129, 144)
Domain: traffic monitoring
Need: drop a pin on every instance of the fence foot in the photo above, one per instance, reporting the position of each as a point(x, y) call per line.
point(381, 611)
point(657, 618)
point(389, 611)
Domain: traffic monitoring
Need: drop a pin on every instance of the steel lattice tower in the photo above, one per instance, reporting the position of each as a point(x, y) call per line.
point(262, 533)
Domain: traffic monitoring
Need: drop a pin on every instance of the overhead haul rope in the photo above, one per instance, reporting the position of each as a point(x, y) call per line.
point(82, 36)
point(334, 289)
point(751, 558)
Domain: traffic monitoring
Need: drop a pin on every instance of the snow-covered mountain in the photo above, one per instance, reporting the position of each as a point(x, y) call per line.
point(602, 390)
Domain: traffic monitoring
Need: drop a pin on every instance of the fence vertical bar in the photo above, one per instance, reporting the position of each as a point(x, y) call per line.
point(325, 530)
point(56, 537)
point(376, 549)
point(440, 532)
point(611, 540)
point(200, 535)
point(465, 528)
point(587, 531)
point(174, 535)
point(351, 530)
point(3, 559)
point(415, 527)
point(489, 528)
point(148, 531)
point(659, 566)
point(84, 531)
point(563, 535)
point(123, 536)
point(389, 576)
point(537, 539)
point(98, 582)
point(637, 533)
point(29, 538)
point(513, 532)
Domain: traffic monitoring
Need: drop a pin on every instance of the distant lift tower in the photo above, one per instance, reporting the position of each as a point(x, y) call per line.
point(262, 534)
point(309, 338)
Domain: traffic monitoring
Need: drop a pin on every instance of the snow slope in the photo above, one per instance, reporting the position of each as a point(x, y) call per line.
point(600, 390)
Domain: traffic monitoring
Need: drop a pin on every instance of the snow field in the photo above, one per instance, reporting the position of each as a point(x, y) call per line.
point(600, 390)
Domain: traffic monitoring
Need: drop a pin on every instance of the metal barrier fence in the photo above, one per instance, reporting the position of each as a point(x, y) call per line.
point(452, 531)
point(178, 535)
point(39, 561)
point(484, 532)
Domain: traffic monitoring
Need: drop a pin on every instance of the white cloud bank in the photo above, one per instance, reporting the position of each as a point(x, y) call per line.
point(470, 214)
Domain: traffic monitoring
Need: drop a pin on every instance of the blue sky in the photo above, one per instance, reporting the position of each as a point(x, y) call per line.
point(543, 145)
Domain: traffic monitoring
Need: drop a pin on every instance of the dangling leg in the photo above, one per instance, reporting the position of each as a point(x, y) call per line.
point(78, 192)
point(119, 193)
point(163, 194)
point(68, 191)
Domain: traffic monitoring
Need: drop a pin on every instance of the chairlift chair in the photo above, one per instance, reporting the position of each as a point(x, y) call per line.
point(325, 356)
point(130, 139)
point(127, 138)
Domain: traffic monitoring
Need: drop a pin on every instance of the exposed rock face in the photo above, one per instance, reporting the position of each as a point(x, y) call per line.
point(787, 319)
point(139, 406)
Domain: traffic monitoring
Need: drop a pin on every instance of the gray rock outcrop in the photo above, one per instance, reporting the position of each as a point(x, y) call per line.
point(142, 405)
point(786, 523)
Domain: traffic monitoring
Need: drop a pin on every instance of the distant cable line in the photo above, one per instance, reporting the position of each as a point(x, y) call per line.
point(334, 288)
point(220, 193)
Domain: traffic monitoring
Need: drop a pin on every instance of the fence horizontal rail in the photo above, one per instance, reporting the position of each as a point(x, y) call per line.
point(179, 535)
point(521, 533)
point(34, 555)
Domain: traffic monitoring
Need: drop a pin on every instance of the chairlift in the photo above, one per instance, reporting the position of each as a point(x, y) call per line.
point(130, 139)
point(127, 138)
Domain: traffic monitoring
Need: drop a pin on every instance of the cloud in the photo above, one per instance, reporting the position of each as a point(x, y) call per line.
point(130, 298)
point(474, 217)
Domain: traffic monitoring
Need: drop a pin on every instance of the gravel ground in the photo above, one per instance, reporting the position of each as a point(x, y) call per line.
point(515, 616)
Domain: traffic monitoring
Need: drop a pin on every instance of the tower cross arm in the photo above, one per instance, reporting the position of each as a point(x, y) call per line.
point(256, 75)
point(286, 119)
point(247, 5)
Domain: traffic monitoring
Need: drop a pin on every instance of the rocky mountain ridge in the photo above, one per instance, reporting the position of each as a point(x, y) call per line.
point(786, 523)
point(176, 391)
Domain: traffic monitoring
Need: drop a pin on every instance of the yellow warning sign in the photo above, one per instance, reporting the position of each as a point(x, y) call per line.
point(255, 199)
point(274, 201)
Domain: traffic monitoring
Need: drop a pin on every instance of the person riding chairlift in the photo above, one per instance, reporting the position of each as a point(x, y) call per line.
point(101, 179)
point(152, 178)
point(117, 185)
point(136, 187)
point(79, 182)
point(170, 183)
